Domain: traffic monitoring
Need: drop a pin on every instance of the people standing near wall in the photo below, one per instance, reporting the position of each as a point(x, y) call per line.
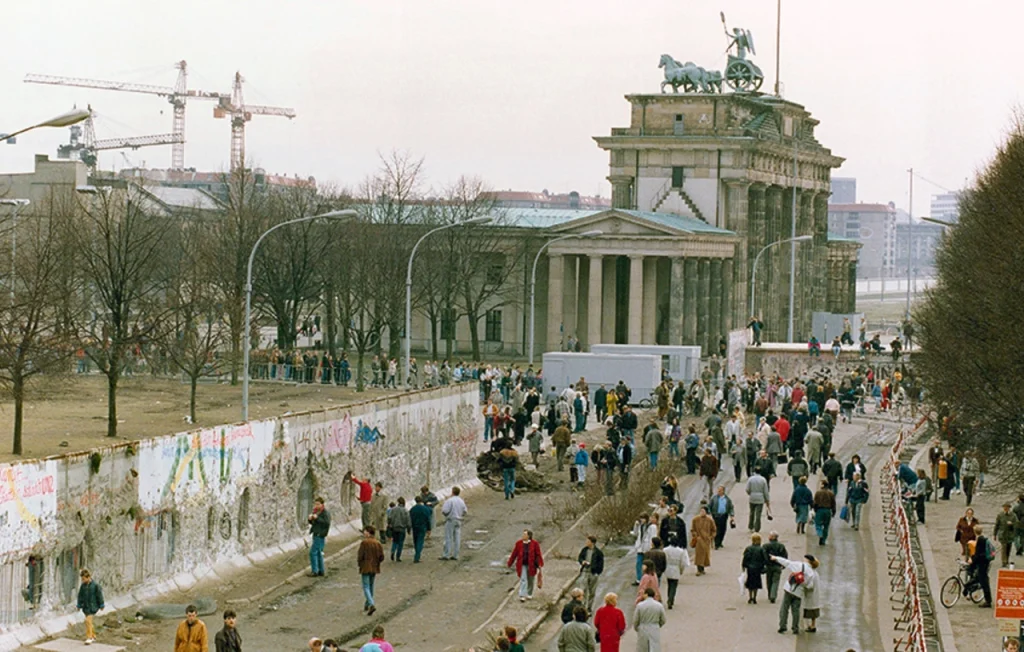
point(421, 521)
point(90, 601)
point(454, 510)
point(319, 526)
point(379, 512)
point(399, 524)
point(191, 635)
point(430, 501)
point(228, 639)
point(365, 497)
point(369, 558)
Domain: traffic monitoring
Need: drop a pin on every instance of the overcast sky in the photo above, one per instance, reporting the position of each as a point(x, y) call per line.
point(513, 92)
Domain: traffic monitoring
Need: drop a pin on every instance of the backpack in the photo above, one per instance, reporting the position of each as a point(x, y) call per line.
point(990, 550)
point(798, 578)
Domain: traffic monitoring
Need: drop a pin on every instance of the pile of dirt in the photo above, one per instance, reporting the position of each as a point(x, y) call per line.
point(489, 472)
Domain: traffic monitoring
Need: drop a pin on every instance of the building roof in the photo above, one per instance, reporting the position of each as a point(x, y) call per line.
point(545, 218)
point(183, 197)
point(835, 237)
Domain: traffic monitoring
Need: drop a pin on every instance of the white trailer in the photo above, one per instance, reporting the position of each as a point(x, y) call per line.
point(680, 362)
point(641, 373)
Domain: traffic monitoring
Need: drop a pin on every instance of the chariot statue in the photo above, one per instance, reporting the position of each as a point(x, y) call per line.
point(690, 76)
point(741, 74)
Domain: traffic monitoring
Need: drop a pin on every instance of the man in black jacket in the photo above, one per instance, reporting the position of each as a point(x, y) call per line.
point(576, 600)
point(601, 403)
point(591, 561)
point(980, 563)
point(228, 639)
point(773, 571)
point(319, 526)
point(673, 529)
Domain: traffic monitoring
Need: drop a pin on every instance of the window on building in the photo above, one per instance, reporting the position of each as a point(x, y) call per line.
point(492, 330)
point(677, 177)
point(448, 324)
point(495, 272)
point(678, 127)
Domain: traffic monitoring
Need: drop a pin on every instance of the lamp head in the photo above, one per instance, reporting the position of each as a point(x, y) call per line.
point(14, 202)
point(803, 238)
point(66, 119)
point(592, 234)
point(481, 219)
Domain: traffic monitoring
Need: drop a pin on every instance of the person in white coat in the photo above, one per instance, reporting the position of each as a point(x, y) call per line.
point(677, 559)
point(648, 619)
point(644, 529)
point(800, 591)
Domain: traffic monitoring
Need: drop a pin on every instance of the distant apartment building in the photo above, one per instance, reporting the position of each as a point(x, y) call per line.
point(874, 226)
point(924, 238)
point(571, 200)
point(214, 183)
point(946, 207)
point(844, 191)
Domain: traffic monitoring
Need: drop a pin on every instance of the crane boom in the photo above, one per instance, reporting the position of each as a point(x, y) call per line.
point(99, 83)
point(256, 109)
point(135, 142)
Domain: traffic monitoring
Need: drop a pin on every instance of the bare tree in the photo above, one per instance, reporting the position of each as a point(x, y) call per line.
point(365, 322)
point(122, 242)
point(32, 338)
point(195, 330)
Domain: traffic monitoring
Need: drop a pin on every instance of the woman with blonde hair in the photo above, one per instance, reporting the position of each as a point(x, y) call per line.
point(610, 623)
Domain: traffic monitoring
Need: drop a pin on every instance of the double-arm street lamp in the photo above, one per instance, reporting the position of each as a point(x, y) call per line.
point(753, 275)
point(73, 116)
point(345, 214)
point(533, 275)
point(483, 219)
point(14, 203)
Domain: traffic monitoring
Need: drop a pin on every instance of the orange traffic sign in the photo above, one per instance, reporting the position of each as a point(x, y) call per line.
point(1010, 594)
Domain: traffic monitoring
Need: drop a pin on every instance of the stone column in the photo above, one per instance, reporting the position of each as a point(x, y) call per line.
point(820, 245)
point(737, 207)
point(594, 292)
point(704, 303)
point(755, 241)
point(715, 305)
point(772, 295)
point(608, 299)
point(636, 300)
point(728, 281)
point(805, 268)
point(677, 294)
point(569, 307)
point(650, 316)
point(556, 274)
point(622, 191)
point(690, 303)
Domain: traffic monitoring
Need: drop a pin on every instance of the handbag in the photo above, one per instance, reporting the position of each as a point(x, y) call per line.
point(540, 579)
point(844, 513)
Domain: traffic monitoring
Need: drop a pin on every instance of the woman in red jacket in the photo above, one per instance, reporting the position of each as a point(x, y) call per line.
point(610, 623)
point(528, 560)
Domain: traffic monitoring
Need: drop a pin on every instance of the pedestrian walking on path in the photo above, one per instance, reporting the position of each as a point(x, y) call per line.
point(191, 635)
point(399, 525)
point(528, 560)
point(591, 560)
point(857, 495)
point(90, 601)
point(377, 642)
point(454, 510)
point(1005, 532)
point(984, 555)
point(610, 623)
point(702, 537)
point(708, 472)
point(757, 491)
point(722, 512)
point(965, 532)
point(676, 561)
point(228, 639)
point(319, 527)
point(755, 559)
point(648, 619)
point(773, 570)
point(801, 502)
point(649, 580)
point(802, 578)
point(644, 529)
point(577, 635)
point(369, 557)
point(824, 510)
point(421, 522)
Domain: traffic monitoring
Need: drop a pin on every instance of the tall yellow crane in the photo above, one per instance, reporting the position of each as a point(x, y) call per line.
point(227, 104)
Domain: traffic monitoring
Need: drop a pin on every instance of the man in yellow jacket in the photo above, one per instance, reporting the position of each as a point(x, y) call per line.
point(191, 635)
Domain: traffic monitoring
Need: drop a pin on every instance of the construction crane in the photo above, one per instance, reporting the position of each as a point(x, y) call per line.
point(228, 104)
point(177, 96)
point(241, 113)
point(83, 143)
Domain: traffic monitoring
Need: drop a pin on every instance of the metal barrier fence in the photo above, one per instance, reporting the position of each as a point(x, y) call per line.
point(909, 590)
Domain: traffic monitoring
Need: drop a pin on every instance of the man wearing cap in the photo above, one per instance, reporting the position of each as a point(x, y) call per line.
point(535, 439)
point(1005, 531)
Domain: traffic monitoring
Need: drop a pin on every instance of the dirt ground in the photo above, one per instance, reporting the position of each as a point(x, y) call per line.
point(74, 409)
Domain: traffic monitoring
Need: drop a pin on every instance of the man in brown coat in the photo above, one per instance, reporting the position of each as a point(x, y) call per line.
point(702, 536)
point(561, 438)
point(191, 635)
point(369, 558)
point(709, 471)
point(824, 509)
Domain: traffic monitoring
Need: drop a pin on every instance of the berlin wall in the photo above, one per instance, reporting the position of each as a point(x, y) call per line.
point(139, 513)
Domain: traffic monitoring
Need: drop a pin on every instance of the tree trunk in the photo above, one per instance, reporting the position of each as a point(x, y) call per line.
point(194, 380)
point(18, 391)
point(474, 336)
point(394, 341)
point(329, 326)
point(433, 336)
point(113, 375)
point(360, 387)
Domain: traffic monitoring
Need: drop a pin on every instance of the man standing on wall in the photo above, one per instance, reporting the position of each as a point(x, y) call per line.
point(369, 557)
point(319, 526)
point(454, 510)
point(365, 497)
point(191, 635)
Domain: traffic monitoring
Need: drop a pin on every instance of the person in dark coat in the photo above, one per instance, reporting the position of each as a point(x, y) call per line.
point(228, 639)
point(319, 526)
point(980, 563)
point(575, 600)
point(420, 516)
point(773, 571)
point(755, 560)
point(90, 601)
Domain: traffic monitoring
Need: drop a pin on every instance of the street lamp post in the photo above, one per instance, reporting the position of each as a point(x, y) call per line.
point(248, 295)
point(14, 203)
point(757, 258)
point(533, 274)
point(73, 116)
point(482, 219)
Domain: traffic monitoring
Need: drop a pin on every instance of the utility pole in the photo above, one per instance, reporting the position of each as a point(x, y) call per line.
point(778, 43)
point(910, 240)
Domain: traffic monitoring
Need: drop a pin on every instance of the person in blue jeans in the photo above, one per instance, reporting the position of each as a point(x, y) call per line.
point(369, 558)
point(319, 526)
point(422, 518)
point(507, 460)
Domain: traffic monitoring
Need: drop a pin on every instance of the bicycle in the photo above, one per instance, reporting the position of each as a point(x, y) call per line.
point(958, 585)
point(649, 402)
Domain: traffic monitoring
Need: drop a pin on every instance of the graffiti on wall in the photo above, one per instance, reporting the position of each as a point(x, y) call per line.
point(210, 460)
point(28, 500)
